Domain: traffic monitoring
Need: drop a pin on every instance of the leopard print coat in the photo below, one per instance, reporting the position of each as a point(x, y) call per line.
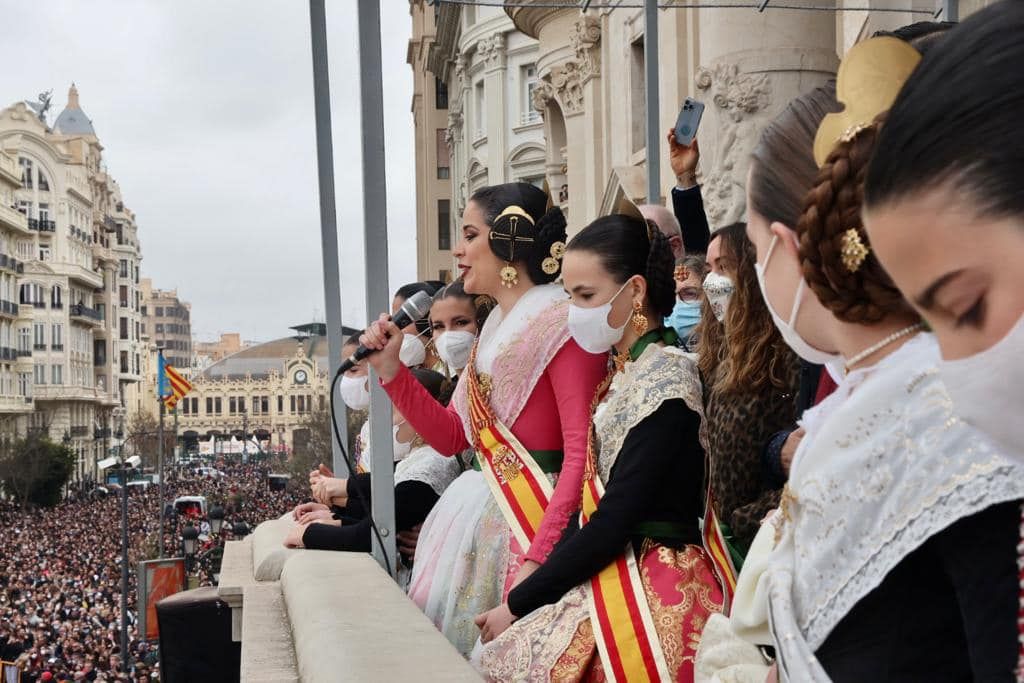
point(740, 424)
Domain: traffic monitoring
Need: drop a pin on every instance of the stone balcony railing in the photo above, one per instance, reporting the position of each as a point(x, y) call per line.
point(13, 219)
point(312, 615)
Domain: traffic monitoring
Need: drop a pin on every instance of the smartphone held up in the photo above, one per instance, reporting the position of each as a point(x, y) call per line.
point(688, 121)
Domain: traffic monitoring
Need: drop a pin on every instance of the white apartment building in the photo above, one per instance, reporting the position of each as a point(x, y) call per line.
point(77, 322)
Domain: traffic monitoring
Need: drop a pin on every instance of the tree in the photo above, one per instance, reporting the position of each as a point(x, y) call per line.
point(144, 440)
point(34, 470)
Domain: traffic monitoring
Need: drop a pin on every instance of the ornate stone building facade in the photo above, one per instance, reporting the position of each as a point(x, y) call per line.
point(592, 93)
point(493, 133)
point(266, 390)
point(70, 343)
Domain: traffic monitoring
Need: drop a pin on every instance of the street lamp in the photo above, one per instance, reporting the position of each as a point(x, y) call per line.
point(189, 541)
point(216, 519)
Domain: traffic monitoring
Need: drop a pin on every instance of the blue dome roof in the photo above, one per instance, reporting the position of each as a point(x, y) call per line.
point(73, 121)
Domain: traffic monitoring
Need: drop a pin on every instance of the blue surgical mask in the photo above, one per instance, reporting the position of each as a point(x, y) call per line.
point(684, 317)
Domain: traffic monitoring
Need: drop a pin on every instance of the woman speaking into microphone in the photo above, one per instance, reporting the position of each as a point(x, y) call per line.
point(522, 405)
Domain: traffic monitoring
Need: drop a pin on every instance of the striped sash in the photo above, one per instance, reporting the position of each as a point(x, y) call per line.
point(717, 548)
point(624, 630)
point(517, 482)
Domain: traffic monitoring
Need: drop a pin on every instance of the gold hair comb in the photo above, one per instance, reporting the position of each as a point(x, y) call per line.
point(869, 79)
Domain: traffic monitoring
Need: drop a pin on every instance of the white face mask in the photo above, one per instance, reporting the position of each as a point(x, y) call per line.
point(354, 392)
point(413, 351)
point(787, 329)
point(718, 289)
point(454, 348)
point(986, 390)
point(590, 328)
point(401, 449)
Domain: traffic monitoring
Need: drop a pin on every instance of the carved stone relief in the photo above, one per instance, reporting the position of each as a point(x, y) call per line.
point(491, 50)
point(586, 43)
point(542, 93)
point(568, 86)
point(740, 100)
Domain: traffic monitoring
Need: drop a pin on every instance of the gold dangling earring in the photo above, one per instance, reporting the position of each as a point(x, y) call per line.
point(509, 276)
point(638, 319)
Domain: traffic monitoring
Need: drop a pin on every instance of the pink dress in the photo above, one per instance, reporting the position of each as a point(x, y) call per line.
point(466, 556)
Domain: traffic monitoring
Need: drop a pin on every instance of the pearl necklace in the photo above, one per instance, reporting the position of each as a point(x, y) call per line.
point(874, 348)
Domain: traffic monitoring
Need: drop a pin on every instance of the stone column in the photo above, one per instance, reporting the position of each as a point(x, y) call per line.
point(752, 64)
point(491, 51)
point(585, 40)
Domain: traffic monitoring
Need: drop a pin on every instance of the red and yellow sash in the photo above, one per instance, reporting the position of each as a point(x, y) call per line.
point(519, 486)
point(619, 614)
point(718, 550)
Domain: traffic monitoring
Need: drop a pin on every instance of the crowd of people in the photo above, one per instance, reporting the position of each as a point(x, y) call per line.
point(782, 449)
point(60, 570)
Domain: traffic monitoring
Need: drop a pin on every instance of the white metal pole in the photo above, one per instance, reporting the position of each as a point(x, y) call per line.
point(328, 215)
point(371, 90)
point(653, 101)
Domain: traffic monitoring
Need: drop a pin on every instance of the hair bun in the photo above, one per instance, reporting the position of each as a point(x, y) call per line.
point(545, 261)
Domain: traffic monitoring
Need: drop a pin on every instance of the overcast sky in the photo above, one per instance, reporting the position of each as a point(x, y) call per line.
point(205, 111)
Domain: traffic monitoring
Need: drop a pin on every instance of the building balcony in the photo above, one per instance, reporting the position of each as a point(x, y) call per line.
point(15, 405)
point(8, 354)
point(39, 347)
point(84, 275)
point(64, 392)
point(13, 219)
point(46, 225)
point(33, 223)
point(79, 431)
point(10, 170)
point(82, 313)
point(8, 309)
point(56, 347)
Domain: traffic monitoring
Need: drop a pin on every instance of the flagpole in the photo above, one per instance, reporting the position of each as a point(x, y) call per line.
point(160, 469)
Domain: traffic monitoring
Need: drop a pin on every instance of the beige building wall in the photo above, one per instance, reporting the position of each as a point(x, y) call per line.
point(168, 322)
point(494, 131)
point(73, 234)
point(434, 218)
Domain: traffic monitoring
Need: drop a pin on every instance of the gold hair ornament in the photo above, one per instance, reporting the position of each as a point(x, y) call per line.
point(869, 79)
point(551, 264)
point(508, 274)
point(854, 251)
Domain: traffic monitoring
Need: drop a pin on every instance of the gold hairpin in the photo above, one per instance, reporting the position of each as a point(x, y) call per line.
point(514, 210)
point(869, 79)
point(854, 251)
point(680, 273)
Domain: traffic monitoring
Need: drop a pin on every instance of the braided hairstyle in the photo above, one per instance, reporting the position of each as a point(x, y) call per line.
point(832, 208)
point(545, 227)
point(629, 246)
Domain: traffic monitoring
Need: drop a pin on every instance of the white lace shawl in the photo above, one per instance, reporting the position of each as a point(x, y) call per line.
point(501, 328)
point(426, 465)
point(885, 465)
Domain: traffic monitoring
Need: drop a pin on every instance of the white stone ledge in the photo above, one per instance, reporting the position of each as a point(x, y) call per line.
point(350, 621)
point(268, 654)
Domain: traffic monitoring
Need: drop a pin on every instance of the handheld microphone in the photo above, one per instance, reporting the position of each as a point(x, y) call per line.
point(415, 308)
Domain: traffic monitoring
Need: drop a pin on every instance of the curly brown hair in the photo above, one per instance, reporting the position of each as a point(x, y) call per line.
point(751, 354)
point(831, 209)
